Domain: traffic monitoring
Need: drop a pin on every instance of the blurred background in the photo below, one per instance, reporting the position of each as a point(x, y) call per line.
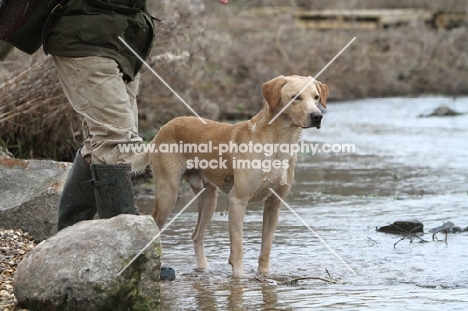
point(216, 57)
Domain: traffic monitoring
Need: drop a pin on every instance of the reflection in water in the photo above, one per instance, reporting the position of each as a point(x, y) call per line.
point(236, 297)
point(270, 297)
point(405, 168)
point(205, 298)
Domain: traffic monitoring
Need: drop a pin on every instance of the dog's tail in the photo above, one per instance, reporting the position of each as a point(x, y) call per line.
point(140, 162)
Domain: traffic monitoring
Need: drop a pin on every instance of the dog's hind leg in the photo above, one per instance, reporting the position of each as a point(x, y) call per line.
point(167, 184)
point(206, 208)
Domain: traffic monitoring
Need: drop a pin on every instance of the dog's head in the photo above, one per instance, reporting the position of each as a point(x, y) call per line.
point(301, 97)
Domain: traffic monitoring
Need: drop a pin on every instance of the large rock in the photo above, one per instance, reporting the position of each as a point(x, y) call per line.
point(403, 227)
point(30, 193)
point(77, 269)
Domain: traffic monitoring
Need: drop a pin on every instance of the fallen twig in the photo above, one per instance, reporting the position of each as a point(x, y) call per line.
point(372, 241)
point(411, 236)
point(313, 278)
point(286, 281)
point(261, 281)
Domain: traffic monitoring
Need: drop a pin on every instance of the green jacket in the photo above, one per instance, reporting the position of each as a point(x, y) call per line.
point(92, 28)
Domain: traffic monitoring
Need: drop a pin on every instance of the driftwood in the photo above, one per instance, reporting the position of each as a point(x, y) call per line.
point(294, 281)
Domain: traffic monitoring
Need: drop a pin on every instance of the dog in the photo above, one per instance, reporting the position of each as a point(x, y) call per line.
point(242, 184)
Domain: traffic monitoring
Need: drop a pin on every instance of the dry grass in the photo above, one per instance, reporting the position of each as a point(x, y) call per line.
point(35, 118)
point(216, 58)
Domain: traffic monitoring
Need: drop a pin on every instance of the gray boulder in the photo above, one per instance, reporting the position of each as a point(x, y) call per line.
point(447, 227)
point(442, 111)
point(77, 268)
point(29, 194)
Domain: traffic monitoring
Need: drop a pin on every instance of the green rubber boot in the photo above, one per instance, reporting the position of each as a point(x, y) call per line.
point(77, 202)
point(113, 189)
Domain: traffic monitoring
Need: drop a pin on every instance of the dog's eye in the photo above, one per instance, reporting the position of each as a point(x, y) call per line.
point(298, 97)
point(317, 97)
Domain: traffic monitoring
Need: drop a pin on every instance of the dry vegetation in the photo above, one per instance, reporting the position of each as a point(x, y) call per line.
point(217, 57)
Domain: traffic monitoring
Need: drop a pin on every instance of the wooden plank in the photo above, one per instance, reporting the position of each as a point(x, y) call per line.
point(364, 19)
point(360, 18)
point(402, 16)
point(337, 24)
point(450, 20)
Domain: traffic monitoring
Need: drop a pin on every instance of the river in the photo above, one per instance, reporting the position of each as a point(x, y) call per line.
point(404, 167)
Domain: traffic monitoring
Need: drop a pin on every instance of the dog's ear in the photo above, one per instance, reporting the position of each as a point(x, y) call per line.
point(323, 90)
point(272, 90)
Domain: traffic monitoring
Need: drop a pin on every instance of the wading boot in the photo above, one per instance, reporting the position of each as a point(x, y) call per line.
point(113, 189)
point(77, 202)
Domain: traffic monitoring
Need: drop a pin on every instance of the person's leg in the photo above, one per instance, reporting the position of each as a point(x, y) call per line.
point(95, 89)
point(77, 202)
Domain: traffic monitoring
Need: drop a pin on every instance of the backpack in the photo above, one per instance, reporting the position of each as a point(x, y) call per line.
point(25, 23)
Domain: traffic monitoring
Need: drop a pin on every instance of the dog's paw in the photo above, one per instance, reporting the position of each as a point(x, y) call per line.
point(203, 267)
point(240, 274)
point(263, 270)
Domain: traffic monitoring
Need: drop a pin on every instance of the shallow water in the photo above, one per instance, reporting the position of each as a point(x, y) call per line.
point(404, 168)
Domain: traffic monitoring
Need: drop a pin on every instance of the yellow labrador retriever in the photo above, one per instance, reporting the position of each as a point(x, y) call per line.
point(244, 160)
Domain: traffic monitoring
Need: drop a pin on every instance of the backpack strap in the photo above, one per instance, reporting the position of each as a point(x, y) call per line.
point(113, 8)
point(51, 21)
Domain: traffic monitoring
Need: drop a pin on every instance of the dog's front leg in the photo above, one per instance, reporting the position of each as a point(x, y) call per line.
point(237, 208)
point(270, 221)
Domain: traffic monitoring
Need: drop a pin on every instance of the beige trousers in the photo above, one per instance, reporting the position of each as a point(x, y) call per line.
point(96, 90)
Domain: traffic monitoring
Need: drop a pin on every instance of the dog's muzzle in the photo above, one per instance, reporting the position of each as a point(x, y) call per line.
point(315, 119)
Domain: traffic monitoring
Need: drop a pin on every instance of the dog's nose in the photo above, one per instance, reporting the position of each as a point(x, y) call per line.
point(316, 117)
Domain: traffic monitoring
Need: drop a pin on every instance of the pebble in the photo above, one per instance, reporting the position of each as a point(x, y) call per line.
point(14, 245)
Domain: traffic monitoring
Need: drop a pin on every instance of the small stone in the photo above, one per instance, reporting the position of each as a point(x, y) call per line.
point(442, 111)
point(447, 227)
